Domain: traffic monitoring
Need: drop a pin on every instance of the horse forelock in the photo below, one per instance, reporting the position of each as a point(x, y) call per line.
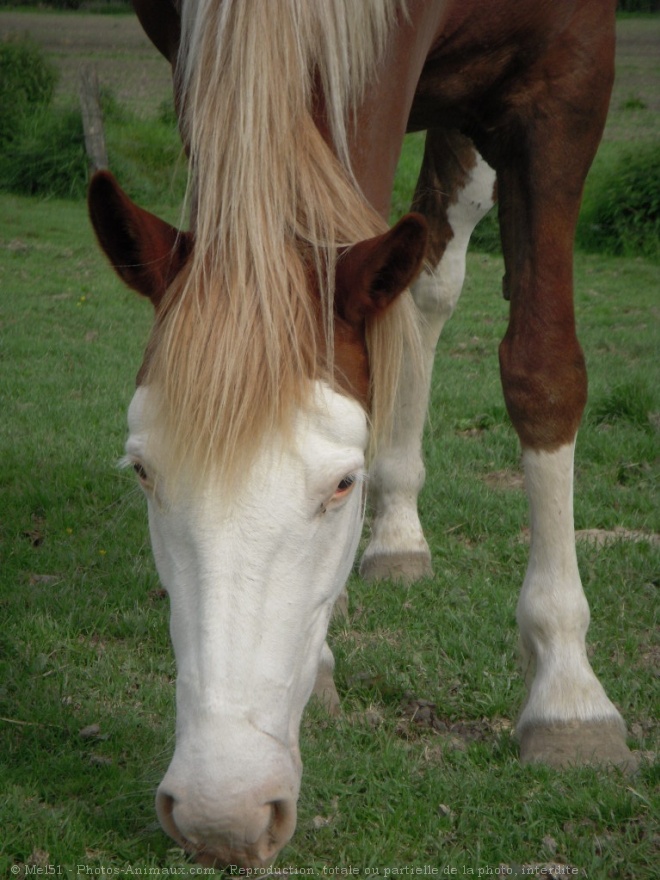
point(240, 335)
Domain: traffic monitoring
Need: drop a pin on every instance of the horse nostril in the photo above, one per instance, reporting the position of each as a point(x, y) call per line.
point(165, 804)
point(281, 814)
point(280, 828)
point(165, 809)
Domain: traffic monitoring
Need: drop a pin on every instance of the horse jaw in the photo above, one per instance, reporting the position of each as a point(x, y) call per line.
point(252, 581)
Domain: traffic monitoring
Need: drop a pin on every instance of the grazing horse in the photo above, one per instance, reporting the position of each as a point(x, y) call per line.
point(286, 342)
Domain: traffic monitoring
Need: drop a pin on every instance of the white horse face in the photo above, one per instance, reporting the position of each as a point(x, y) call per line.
point(252, 581)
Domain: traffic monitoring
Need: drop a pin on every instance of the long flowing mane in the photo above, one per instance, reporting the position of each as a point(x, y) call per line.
point(237, 340)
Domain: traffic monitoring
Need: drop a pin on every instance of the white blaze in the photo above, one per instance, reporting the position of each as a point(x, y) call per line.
point(252, 580)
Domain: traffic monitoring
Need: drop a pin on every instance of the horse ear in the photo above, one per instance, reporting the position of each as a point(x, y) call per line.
point(371, 274)
point(145, 251)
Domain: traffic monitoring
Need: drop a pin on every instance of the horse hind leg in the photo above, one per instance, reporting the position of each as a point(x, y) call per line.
point(454, 191)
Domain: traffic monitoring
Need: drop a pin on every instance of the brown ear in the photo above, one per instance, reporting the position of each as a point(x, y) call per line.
point(162, 24)
point(145, 251)
point(371, 274)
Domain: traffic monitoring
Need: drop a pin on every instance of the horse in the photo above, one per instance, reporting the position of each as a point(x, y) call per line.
point(292, 344)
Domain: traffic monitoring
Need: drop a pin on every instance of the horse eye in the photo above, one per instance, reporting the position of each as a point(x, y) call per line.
point(346, 483)
point(140, 471)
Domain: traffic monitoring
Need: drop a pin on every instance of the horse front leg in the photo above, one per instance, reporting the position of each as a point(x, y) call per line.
point(454, 191)
point(567, 717)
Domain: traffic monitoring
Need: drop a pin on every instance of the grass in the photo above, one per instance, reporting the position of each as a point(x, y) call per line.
point(86, 671)
point(421, 768)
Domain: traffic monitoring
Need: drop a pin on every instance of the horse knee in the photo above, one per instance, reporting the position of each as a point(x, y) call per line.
point(436, 292)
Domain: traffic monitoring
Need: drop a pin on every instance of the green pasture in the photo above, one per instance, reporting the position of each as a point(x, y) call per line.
point(420, 771)
point(84, 624)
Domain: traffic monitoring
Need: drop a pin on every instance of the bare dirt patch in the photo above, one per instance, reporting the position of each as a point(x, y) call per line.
point(601, 537)
point(127, 63)
point(505, 479)
point(420, 717)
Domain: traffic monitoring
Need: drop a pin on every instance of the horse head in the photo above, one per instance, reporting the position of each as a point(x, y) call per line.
point(253, 565)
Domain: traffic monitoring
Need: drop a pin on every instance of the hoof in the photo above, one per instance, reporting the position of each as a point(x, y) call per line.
point(404, 567)
point(340, 608)
point(324, 687)
point(577, 743)
point(329, 698)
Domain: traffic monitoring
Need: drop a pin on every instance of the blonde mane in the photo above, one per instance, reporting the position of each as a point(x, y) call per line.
point(237, 341)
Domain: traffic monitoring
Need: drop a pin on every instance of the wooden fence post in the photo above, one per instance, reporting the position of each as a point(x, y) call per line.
point(90, 105)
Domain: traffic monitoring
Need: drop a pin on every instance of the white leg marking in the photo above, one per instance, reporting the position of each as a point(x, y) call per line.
point(553, 614)
point(398, 548)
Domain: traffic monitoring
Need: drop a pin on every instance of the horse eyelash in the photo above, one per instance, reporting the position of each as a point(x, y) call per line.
point(124, 463)
point(127, 461)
